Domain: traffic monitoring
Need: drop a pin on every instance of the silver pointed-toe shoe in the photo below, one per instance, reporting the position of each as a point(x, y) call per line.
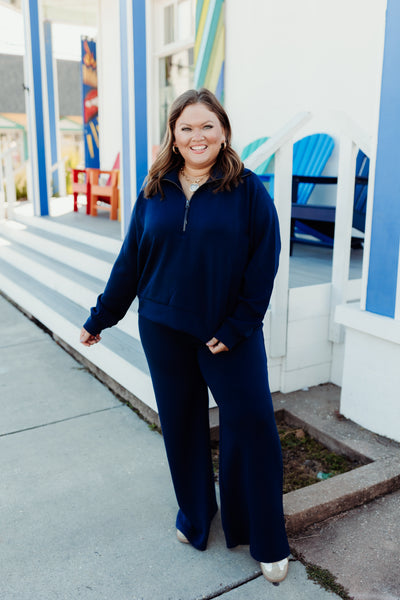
point(275, 572)
point(182, 537)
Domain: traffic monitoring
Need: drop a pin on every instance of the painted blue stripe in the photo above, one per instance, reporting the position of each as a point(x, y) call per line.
point(38, 100)
point(219, 92)
point(51, 102)
point(140, 78)
point(385, 231)
point(126, 148)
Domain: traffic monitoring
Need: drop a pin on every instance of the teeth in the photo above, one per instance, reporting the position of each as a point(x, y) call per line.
point(199, 147)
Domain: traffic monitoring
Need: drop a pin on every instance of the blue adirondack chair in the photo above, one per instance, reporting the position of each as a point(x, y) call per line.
point(310, 156)
point(250, 148)
point(361, 192)
point(319, 221)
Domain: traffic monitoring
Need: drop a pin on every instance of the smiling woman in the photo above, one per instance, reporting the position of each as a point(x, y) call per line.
point(199, 137)
point(197, 140)
point(201, 254)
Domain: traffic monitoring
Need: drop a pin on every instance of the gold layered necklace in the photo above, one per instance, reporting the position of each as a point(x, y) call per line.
point(194, 183)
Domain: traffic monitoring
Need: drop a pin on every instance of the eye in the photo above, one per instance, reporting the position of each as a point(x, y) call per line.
point(208, 126)
point(185, 129)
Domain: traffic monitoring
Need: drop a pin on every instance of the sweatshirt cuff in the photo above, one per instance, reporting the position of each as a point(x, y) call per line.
point(93, 326)
point(228, 335)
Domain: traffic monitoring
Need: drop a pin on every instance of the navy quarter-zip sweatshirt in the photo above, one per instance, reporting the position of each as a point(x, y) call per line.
point(204, 266)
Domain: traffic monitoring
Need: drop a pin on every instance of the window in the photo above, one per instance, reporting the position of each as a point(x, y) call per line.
point(174, 28)
point(169, 24)
point(184, 20)
point(176, 76)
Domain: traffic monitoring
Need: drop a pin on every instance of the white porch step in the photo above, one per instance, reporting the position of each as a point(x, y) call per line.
point(55, 272)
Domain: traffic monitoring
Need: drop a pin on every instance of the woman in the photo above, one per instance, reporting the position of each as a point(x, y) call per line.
point(201, 254)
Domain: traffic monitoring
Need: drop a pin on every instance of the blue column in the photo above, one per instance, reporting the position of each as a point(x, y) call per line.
point(134, 160)
point(51, 99)
point(385, 231)
point(34, 69)
point(140, 78)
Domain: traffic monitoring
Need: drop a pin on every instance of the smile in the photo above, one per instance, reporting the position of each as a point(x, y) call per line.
point(198, 148)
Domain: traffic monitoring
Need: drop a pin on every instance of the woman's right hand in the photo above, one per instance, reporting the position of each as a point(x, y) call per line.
point(87, 339)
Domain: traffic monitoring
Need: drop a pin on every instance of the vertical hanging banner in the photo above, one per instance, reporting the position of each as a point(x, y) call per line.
point(209, 48)
point(90, 103)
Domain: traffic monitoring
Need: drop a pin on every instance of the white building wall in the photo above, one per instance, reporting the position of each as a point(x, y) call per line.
point(294, 55)
point(371, 363)
point(109, 82)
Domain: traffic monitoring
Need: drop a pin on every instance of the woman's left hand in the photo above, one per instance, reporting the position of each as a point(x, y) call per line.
point(215, 346)
point(87, 339)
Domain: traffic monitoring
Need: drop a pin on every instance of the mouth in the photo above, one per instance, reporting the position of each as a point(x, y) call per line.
point(198, 148)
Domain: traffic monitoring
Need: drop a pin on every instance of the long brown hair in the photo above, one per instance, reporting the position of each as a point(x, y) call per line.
point(228, 164)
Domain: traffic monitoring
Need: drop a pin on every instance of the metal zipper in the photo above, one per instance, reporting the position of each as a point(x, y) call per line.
point(185, 218)
point(187, 204)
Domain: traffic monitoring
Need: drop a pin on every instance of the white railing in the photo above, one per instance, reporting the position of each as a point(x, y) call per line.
point(351, 138)
point(62, 182)
point(7, 185)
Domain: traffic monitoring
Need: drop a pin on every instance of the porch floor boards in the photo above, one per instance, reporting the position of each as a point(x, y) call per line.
point(54, 268)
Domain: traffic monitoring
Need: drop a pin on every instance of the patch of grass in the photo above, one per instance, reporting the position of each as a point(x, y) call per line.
point(303, 459)
point(81, 368)
point(215, 458)
point(327, 581)
point(324, 578)
point(154, 427)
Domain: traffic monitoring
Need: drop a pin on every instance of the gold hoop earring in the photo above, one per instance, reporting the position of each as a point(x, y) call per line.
point(223, 145)
point(175, 150)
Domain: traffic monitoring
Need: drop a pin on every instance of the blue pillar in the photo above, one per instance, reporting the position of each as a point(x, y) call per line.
point(140, 79)
point(52, 104)
point(35, 103)
point(134, 161)
point(385, 230)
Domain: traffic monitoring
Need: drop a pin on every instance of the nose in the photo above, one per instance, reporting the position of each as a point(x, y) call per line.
point(198, 135)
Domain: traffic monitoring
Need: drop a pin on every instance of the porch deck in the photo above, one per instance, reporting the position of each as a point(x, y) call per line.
point(309, 265)
point(55, 267)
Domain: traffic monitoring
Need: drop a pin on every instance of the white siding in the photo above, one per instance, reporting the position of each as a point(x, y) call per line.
point(295, 56)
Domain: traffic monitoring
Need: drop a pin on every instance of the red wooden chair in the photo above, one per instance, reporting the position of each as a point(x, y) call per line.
point(107, 194)
point(81, 185)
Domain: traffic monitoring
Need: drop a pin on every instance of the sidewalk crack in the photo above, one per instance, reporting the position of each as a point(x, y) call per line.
point(94, 412)
point(229, 588)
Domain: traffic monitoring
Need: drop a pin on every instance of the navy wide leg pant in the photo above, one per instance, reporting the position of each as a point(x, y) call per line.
point(181, 368)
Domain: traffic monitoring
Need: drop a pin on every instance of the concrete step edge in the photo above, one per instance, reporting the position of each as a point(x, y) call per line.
point(125, 374)
point(71, 257)
point(326, 499)
point(91, 239)
point(67, 287)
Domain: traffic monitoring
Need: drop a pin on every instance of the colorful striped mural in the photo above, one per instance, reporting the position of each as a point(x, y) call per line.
point(90, 103)
point(209, 49)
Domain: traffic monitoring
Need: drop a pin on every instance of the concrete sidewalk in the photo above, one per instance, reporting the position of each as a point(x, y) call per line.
point(87, 508)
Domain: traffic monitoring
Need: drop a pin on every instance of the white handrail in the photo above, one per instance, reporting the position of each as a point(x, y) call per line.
point(60, 167)
point(2, 194)
point(278, 140)
point(9, 181)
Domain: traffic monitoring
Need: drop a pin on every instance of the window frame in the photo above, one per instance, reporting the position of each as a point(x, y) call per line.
point(161, 50)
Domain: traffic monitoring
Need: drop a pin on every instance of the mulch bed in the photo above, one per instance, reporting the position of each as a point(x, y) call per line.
point(305, 460)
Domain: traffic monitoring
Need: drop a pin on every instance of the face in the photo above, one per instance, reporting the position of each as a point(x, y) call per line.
point(198, 136)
